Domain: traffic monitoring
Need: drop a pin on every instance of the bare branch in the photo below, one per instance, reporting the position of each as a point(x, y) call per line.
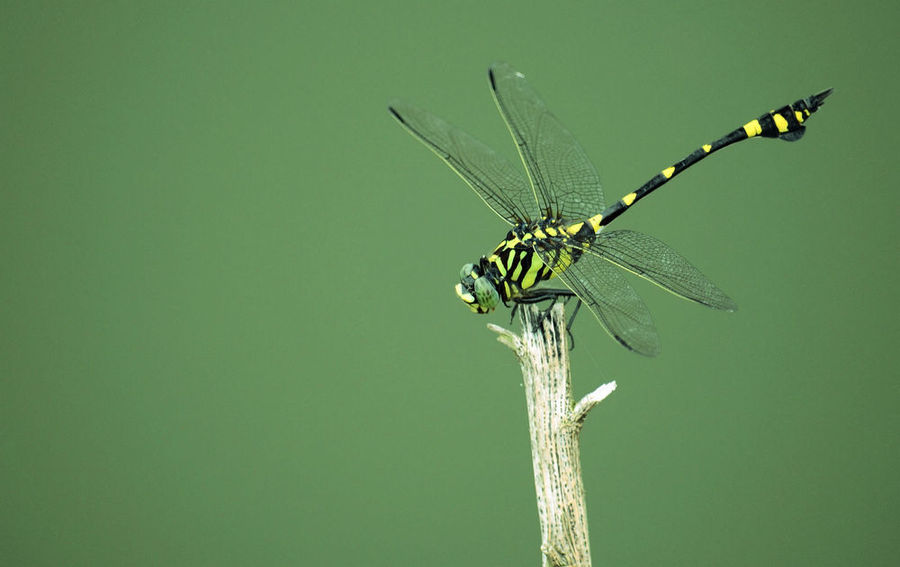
point(507, 337)
point(587, 403)
point(554, 422)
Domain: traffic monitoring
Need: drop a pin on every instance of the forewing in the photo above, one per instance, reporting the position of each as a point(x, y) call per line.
point(603, 289)
point(501, 185)
point(564, 179)
point(657, 262)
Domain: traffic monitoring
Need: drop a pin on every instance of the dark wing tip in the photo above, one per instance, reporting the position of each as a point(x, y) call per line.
point(645, 350)
point(492, 78)
point(497, 69)
point(393, 110)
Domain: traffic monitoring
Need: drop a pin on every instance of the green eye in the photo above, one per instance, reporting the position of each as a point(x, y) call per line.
point(486, 294)
point(466, 271)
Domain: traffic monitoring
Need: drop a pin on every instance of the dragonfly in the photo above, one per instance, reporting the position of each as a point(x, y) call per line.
point(557, 214)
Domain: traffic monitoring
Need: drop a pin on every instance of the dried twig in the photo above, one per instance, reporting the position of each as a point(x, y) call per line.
point(554, 422)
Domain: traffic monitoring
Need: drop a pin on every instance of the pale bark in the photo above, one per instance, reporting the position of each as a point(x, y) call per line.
point(554, 421)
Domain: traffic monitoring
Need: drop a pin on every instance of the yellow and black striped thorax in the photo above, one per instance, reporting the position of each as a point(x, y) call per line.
point(515, 266)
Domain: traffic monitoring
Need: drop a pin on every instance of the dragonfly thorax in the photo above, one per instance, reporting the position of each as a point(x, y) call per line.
point(515, 265)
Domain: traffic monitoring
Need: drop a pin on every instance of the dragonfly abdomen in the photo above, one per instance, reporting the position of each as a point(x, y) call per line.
point(785, 123)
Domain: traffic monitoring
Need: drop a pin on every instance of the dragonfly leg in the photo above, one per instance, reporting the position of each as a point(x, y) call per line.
point(512, 312)
point(571, 321)
point(551, 295)
point(574, 312)
point(538, 295)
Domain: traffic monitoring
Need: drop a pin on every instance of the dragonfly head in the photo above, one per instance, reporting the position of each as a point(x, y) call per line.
point(476, 289)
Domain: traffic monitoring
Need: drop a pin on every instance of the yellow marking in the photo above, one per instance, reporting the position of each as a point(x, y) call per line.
point(667, 172)
point(595, 222)
point(780, 123)
point(527, 236)
point(467, 297)
point(752, 128)
point(629, 198)
point(551, 231)
point(806, 110)
point(512, 243)
point(518, 271)
point(531, 276)
point(509, 260)
point(539, 234)
point(498, 262)
point(707, 148)
point(575, 228)
point(507, 288)
point(799, 116)
point(565, 260)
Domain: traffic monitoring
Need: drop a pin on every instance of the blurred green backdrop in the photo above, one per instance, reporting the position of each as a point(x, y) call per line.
point(228, 330)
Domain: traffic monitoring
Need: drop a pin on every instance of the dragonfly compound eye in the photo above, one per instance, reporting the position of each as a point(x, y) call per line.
point(486, 294)
point(476, 290)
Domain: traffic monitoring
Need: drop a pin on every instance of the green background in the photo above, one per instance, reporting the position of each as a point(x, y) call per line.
point(228, 330)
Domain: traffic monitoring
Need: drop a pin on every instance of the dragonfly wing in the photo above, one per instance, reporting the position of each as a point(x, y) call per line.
point(655, 261)
point(563, 178)
point(501, 185)
point(603, 288)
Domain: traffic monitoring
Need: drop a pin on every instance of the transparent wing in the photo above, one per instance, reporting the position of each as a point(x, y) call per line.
point(563, 178)
point(501, 185)
point(603, 289)
point(657, 262)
